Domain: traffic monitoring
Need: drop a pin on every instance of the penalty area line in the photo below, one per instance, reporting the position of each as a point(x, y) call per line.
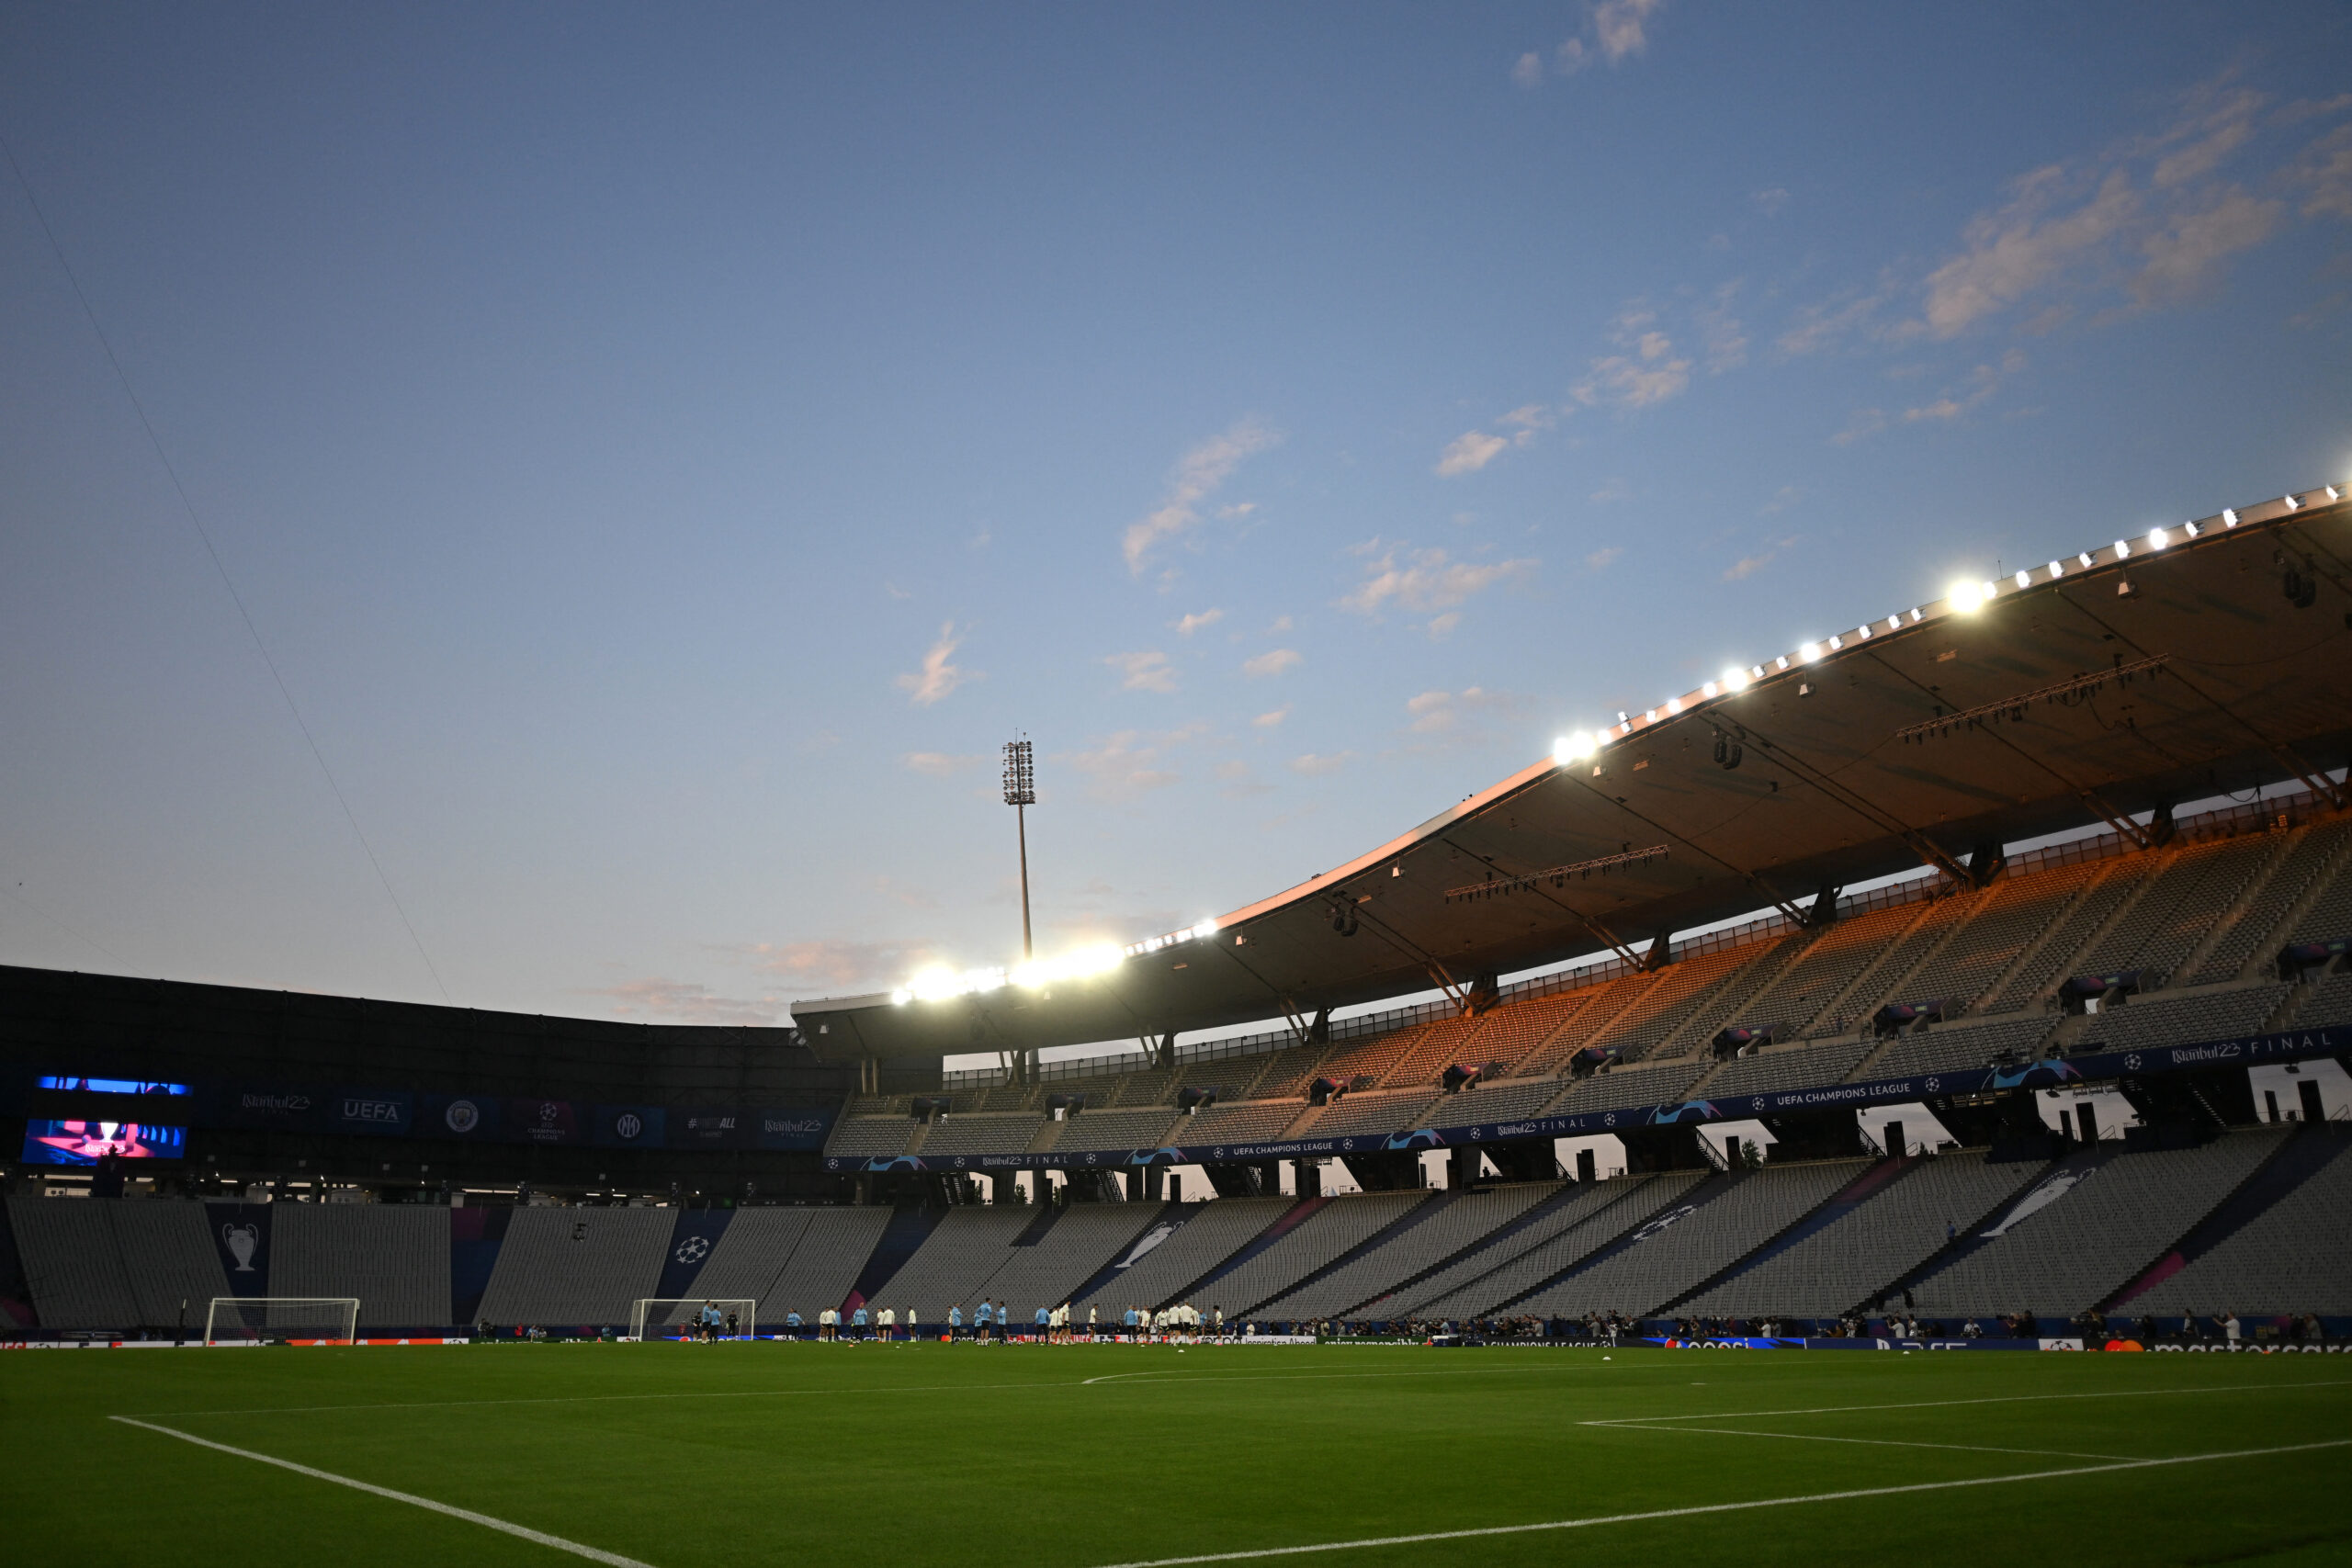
point(1720, 1507)
point(594, 1554)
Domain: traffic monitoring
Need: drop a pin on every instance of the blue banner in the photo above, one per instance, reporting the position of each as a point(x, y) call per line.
point(470, 1116)
point(278, 1107)
point(627, 1126)
point(384, 1114)
point(712, 1127)
point(542, 1121)
point(795, 1128)
point(691, 1242)
point(241, 1232)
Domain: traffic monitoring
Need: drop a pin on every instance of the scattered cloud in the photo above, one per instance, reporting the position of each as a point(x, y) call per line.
point(895, 592)
point(1617, 29)
point(1128, 764)
point(1196, 478)
point(1469, 452)
point(1865, 421)
point(1441, 627)
point(938, 676)
point(1453, 719)
point(1650, 372)
point(1726, 338)
point(1747, 566)
point(1271, 720)
point(1281, 624)
point(941, 764)
point(838, 964)
point(1315, 766)
point(1143, 672)
point(2323, 173)
point(1770, 203)
point(1603, 558)
point(685, 1001)
point(899, 892)
point(1613, 489)
point(1272, 663)
point(1783, 499)
point(1194, 623)
point(1426, 582)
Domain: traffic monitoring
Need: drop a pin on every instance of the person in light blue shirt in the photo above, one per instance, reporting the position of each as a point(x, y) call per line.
point(956, 1322)
point(792, 1322)
point(1045, 1321)
point(1129, 1320)
point(857, 1320)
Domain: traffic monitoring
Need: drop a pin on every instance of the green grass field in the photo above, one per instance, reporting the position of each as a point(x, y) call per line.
point(710, 1456)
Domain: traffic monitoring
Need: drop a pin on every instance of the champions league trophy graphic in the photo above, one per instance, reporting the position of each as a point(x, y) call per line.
point(242, 1241)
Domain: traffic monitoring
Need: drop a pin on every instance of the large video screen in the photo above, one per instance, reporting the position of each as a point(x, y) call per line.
point(109, 1086)
point(85, 1142)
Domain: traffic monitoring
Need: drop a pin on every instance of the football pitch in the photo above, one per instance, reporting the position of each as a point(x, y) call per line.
point(1082, 1457)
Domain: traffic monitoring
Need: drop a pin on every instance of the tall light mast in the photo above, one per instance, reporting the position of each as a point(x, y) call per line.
point(1021, 793)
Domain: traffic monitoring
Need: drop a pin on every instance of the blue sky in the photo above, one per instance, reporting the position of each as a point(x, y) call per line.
point(665, 454)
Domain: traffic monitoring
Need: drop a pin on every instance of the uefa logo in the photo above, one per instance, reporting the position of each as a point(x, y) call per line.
point(463, 1116)
point(629, 1125)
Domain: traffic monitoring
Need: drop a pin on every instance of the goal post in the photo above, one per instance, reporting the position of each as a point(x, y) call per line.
point(331, 1320)
point(681, 1313)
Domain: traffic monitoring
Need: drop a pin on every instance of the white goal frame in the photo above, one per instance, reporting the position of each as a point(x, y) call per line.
point(746, 1310)
point(348, 1307)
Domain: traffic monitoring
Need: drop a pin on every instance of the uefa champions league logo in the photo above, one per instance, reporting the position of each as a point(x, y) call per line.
point(692, 1249)
point(242, 1241)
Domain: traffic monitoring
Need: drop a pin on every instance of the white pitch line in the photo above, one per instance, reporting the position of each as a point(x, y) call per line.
point(594, 1554)
point(1630, 1426)
point(1996, 1399)
point(1720, 1508)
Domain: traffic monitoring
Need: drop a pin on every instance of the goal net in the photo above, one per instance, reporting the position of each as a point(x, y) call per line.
point(665, 1317)
point(297, 1320)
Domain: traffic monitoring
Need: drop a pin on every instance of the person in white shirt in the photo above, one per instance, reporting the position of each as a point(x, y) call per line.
point(825, 1321)
point(912, 1326)
point(887, 1320)
point(1089, 1326)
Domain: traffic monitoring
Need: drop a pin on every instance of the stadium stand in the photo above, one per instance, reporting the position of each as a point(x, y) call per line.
point(2051, 959)
point(2183, 1020)
point(72, 1265)
point(1491, 1102)
point(954, 1262)
point(1827, 967)
point(745, 1260)
point(2102, 1216)
point(2329, 1000)
point(1885, 1237)
point(1625, 1087)
point(1356, 1115)
point(823, 1263)
point(1108, 1130)
point(2251, 933)
point(1712, 1226)
point(1072, 1251)
point(1517, 1262)
point(1248, 1121)
point(1681, 988)
point(1206, 1235)
point(2011, 918)
point(868, 1137)
point(1446, 1226)
point(170, 1258)
point(1948, 1050)
point(1321, 1238)
point(393, 1257)
point(982, 1134)
point(2290, 1258)
point(1776, 1068)
point(576, 1266)
point(2175, 908)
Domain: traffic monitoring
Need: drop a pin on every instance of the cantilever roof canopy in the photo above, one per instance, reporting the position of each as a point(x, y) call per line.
point(2209, 657)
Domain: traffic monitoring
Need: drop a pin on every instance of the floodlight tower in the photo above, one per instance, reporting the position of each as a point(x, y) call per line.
point(1021, 794)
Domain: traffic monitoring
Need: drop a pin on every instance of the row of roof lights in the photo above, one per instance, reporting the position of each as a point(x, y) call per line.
point(939, 982)
point(1961, 598)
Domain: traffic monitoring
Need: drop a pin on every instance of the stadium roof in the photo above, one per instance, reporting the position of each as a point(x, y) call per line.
point(2211, 657)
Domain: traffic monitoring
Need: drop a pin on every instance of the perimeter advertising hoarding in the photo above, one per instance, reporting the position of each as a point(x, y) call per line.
point(2099, 1067)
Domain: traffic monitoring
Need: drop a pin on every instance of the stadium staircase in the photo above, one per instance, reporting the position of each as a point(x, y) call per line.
point(1500, 1236)
point(1297, 1214)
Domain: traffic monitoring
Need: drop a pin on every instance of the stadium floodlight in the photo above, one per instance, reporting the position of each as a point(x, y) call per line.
point(2025, 578)
point(681, 1313)
point(2122, 550)
point(1076, 966)
point(1735, 679)
point(1021, 794)
point(1573, 747)
point(2229, 518)
point(1809, 653)
point(295, 1320)
point(2057, 570)
point(1966, 598)
point(1708, 690)
point(2158, 539)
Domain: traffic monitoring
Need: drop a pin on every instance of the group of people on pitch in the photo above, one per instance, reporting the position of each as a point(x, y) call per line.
point(993, 1321)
